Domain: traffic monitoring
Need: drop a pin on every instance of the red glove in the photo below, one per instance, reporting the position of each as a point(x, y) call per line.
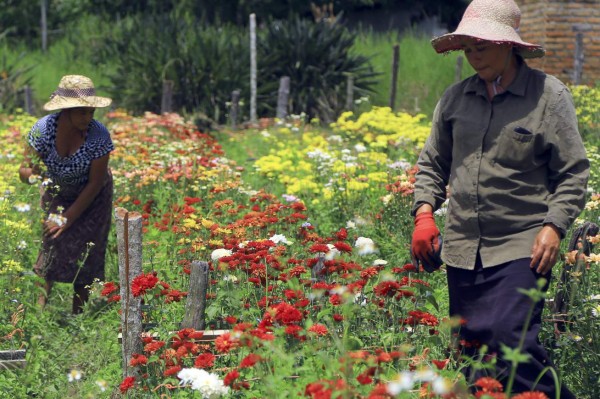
point(425, 238)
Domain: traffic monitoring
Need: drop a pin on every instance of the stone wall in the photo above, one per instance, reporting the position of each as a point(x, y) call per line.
point(554, 24)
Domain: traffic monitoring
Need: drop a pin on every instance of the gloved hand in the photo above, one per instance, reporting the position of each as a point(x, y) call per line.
point(425, 243)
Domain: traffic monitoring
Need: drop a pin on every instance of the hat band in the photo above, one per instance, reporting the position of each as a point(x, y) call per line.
point(74, 93)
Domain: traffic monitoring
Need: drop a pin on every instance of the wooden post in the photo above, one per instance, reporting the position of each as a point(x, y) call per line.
point(253, 118)
point(458, 69)
point(129, 245)
point(578, 59)
point(166, 104)
point(282, 97)
point(395, 64)
point(196, 299)
point(235, 108)
point(28, 101)
point(349, 93)
point(44, 24)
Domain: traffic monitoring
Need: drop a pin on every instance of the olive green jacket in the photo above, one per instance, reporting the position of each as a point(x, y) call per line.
point(508, 166)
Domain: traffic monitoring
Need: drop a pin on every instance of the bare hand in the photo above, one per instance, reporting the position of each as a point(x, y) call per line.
point(544, 253)
point(52, 229)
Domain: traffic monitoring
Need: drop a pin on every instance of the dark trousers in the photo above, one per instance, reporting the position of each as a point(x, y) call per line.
point(495, 313)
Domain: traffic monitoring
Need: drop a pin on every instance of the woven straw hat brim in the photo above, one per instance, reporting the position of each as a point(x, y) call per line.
point(59, 102)
point(489, 30)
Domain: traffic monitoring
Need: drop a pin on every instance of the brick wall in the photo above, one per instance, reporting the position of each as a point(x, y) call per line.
point(554, 25)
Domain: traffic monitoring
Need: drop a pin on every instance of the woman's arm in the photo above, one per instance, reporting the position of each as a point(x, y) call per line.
point(95, 182)
point(30, 167)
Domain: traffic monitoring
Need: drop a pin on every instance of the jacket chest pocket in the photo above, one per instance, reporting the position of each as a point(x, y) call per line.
point(515, 148)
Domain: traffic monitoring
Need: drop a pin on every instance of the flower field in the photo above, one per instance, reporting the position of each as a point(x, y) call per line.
point(306, 231)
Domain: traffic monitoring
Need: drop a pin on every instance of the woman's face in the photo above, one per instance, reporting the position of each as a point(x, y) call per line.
point(488, 59)
point(81, 117)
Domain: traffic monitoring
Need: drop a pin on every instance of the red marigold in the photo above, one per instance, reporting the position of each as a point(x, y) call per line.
point(441, 364)
point(287, 314)
point(319, 248)
point(205, 360)
point(108, 289)
point(338, 317)
point(343, 246)
point(531, 395)
point(137, 360)
point(173, 370)
point(364, 379)
point(224, 343)
point(489, 384)
point(319, 329)
point(230, 377)
point(250, 360)
point(153, 346)
point(143, 283)
point(369, 272)
point(114, 298)
point(342, 234)
point(127, 384)
point(335, 300)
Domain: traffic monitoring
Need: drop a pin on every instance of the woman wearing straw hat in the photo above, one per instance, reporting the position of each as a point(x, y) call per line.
point(505, 143)
point(77, 192)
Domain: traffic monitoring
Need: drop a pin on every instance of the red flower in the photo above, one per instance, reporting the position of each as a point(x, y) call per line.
point(342, 234)
point(153, 346)
point(108, 289)
point(441, 364)
point(338, 317)
point(489, 384)
point(230, 377)
point(204, 361)
point(224, 343)
point(127, 384)
point(319, 248)
point(531, 395)
point(287, 314)
point(250, 360)
point(343, 247)
point(335, 300)
point(137, 359)
point(143, 283)
point(173, 370)
point(369, 272)
point(319, 329)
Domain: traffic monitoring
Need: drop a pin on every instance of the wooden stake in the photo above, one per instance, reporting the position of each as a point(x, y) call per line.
point(253, 117)
point(395, 65)
point(196, 299)
point(282, 97)
point(129, 245)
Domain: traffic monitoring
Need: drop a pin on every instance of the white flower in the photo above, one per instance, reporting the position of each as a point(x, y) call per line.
point(57, 219)
point(404, 382)
point(279, 239)
point(441, 386)
point(290, 198)
point(34, 179)
point(22, 245)
point(231, 278)
point(333, 252)
point(365, 246)
point(23, 207)
point(209, 384)
point(360, 148)
point(219, 253)
point(379, 262)
point(74, 375)
point(265, 133)
point(596, 311)
point(350, 224)
point(386, 199)
point(103, 385)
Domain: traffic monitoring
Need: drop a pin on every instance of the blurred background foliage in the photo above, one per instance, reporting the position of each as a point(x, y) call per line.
point(129, 48)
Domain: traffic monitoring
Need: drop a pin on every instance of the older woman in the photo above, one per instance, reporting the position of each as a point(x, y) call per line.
point(74, 149)
point(505, 142)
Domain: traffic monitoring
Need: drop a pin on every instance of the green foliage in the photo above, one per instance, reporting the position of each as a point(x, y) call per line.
point(13, 78)
point(203, 63)
point(318, 60)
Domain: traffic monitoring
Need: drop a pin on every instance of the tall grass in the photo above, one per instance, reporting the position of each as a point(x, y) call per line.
point(78, 49)
point(422, 73)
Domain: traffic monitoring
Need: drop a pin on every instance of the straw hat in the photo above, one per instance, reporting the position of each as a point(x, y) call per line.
point(75, 91)
point(491, 20)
